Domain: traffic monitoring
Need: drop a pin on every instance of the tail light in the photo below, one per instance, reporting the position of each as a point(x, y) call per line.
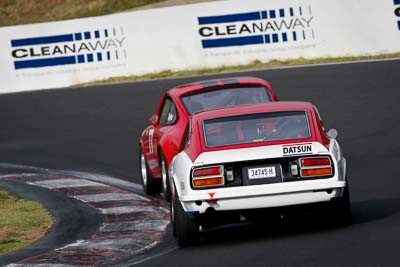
point(208, 176)
point(319, 161)
point(315, 167)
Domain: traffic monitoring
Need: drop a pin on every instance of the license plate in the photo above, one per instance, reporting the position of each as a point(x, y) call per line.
point(262, 172)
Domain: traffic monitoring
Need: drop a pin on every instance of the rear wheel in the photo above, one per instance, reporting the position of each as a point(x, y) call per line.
point(165, 178)
point(341, 209)
point(187, 229)
point(150, 186)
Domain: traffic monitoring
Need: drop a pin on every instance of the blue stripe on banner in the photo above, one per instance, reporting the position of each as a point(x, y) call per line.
point(294, 36)
point(108, 55)
point(43, 40)
point(247, 40)
point(106, 33)
point(78, 36)
point(272, 14)
point(229, 18)
point(267, 38)
point(97, 34)
point(87, 35)
point(47, 62)
point(89, 57)
point(397, 2)
point(398, 24)
point(291, 12)
point(264, 14)
point(284, 37)
point(81, 59)
point(99, 56)
point(281, 13)
point(275, 38)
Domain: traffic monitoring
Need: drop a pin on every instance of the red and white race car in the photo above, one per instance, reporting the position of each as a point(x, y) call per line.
point(239, 160)
point(162, 140)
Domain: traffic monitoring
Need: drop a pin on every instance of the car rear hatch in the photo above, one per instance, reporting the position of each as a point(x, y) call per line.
point(263, 165)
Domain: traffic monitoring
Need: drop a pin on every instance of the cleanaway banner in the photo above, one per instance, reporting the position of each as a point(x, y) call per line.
point(59, 54)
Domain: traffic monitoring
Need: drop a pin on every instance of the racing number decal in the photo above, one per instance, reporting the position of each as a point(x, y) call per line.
point(151, 134)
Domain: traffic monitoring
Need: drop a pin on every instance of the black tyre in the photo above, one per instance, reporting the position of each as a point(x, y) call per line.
point(150, 186)
point(187, 229)
point(165, 183)
point(341, 209)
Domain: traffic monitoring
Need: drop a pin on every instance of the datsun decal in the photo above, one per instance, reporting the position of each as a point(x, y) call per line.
point(296, 149)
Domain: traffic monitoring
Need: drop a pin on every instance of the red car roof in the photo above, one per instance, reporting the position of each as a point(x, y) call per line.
point(215, 83)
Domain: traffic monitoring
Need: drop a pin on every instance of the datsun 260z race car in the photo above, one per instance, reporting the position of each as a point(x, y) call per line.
point(243, 159)
point(162, 140)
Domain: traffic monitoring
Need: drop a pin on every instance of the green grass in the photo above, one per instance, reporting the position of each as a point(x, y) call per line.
point(15, 12)
point(11, 245)
point(257, 64)
point(21, 222)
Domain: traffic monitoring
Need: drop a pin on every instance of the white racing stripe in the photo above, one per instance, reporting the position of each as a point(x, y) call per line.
point(109, 197)
point(131, 209)
point(41, 265)
point(103, 179)
point(17, 174)
point(65, 183)
point(31, 170)
point(119, 244)
point(153, 225)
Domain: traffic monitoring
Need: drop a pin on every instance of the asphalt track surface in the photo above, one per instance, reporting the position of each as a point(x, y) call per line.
point(96, 129)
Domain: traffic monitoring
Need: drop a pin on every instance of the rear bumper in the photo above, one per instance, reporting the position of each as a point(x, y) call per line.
point(263, 196)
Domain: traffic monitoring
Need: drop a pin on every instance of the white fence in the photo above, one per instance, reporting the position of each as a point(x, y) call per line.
point(58, 54)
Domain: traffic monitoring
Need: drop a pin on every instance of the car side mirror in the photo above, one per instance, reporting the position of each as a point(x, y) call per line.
point(332, 133)
point(153, 118)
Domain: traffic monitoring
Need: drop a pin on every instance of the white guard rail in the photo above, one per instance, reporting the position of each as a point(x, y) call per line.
point(58, 54)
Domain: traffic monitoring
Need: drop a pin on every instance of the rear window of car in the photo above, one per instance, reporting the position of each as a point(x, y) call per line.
point(225, 97)
point(252, 128)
